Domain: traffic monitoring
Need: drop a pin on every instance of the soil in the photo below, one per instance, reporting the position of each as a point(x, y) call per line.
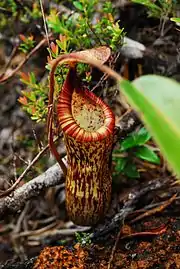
point(152, 242)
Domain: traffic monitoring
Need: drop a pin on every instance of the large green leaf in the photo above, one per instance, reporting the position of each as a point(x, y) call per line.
point(157, 99)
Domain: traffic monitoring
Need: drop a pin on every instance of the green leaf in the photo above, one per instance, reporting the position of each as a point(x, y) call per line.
point(32, 96)
point(129, 142)
point(60, 44)
point(131, 170)
point(136, 139)
point(147, 154)
point(147, 3)
point(120, 164)
point(34, 117)
point(32, 78)
point(143, 136)
point(175, 19)
point(157, 99)
point(78, 5)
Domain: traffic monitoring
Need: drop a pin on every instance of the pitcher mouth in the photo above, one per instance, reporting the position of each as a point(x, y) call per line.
point(81, 114)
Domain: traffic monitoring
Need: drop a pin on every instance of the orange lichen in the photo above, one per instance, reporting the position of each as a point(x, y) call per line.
point(61, 258)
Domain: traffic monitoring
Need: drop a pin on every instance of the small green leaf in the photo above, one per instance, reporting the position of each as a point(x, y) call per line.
point(129, 142)
point(143, 136)
point(131, 170)
point(147, 154)
point(120, 164)
point(78, 5)
point(34, 117)
point(40, 103)
point(31, 96)
point(175, 19)
point(60, 44)
point(148, 4)
point(32, 78)
point(135, 139)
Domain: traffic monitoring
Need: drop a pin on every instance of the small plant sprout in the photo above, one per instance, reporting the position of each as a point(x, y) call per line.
point(83, 238)
point(34, 99)
point(133, 146)
point(27, 43)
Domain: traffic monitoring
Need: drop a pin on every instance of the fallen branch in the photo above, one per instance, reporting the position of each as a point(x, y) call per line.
point(13, 203)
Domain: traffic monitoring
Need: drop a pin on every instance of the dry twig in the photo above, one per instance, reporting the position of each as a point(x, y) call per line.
point(155, 210)
point(154, 232)
point(113, 250)
point(5, 77)
point(9, 190)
